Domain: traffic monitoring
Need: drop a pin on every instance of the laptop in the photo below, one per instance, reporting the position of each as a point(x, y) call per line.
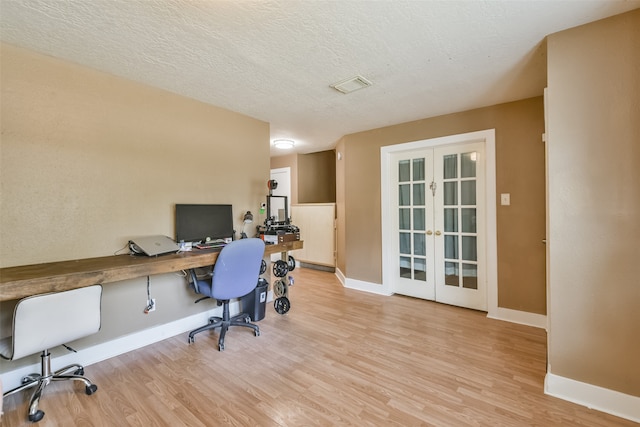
point(153, 245)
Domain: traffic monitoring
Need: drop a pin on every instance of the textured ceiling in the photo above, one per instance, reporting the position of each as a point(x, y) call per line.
point(275, 60)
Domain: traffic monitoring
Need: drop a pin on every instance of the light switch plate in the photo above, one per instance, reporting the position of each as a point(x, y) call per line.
point(505, 199)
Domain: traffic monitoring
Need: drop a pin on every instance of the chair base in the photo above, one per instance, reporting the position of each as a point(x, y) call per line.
point(40, 381)
point(224, 322)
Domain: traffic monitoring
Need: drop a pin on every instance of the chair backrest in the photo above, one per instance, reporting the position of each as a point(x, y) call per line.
point(41, 322)
point(237, 269)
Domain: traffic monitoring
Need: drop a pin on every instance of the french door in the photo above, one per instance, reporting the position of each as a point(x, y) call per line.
point(438, 221)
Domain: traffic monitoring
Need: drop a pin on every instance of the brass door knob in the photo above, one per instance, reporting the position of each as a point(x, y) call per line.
point(429, 232)
point(438, 233)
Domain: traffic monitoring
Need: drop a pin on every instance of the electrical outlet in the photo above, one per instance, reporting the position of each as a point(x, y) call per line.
point(505, 199)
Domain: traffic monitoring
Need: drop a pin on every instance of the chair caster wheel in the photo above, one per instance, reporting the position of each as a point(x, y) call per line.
point(191, 340)
point(34, 418)
point(90, 389)
point(220, 347)
point(79, 372)
point(256, 333)
point(28, 378)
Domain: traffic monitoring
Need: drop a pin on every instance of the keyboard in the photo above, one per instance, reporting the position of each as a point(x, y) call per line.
point(210, 245)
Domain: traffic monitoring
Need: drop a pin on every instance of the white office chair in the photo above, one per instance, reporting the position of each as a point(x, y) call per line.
point(41, 322)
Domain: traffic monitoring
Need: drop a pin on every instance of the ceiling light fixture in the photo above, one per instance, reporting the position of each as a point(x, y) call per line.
point(283, 143)
point(351, 84)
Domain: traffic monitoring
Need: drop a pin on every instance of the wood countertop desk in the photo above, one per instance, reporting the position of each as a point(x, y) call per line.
point(26, 280)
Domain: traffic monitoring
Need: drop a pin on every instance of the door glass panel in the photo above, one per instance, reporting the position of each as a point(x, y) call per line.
point(450, 166)
point(404, 194)
point(418, 194)
point(468, 165)
point(468, 220)
point(418, 169)
point(420, 269)
point(450, 220)
point(450, 193)
point(451, 247)
point(469, 250)
point(468, 190)
point(405, 267)
point(412, 216)
point(405, 243)
point(403, 170)
point(419, 244)
point(469, 276)
point(418, 219)
point(404, 219)
point(451, 274)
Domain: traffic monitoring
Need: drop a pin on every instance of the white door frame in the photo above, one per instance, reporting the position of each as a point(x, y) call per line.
point(386, 168)
point(286, 190)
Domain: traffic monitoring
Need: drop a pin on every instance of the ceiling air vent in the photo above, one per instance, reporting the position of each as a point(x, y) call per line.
point(351, 84)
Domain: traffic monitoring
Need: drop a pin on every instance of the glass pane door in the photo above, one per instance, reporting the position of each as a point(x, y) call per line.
point(414, 213)
point(458, 218)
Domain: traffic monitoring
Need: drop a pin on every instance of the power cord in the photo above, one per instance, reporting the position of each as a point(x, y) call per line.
point(151, 302)
point(121, 249)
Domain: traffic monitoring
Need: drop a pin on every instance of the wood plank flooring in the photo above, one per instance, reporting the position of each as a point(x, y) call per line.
point(339, 357)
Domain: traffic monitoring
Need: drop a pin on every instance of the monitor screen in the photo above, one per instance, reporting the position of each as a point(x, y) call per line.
point(199, 223)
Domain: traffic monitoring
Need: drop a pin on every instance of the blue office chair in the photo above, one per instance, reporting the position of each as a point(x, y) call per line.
point(41, 322)
point(235, 274)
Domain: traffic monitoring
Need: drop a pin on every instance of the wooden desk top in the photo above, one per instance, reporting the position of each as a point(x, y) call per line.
point(25, 280)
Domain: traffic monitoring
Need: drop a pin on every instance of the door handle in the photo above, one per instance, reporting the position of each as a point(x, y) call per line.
point(429, 232)
point(438, 232)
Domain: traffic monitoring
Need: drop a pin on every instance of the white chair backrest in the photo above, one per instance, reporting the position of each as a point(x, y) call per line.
point(45, 321)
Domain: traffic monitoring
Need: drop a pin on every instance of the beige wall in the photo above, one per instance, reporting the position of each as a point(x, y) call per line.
point(317, 177)
point(313, 176)
point(520, 172)
point(594, 203)
point(90, 160)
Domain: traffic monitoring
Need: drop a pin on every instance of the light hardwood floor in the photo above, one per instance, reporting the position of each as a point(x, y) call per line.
point(339, 357)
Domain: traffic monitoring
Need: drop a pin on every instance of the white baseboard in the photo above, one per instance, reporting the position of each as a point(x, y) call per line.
point(360, 285)
point(121, 345)
point(506, 314)
point(593, 397)
point(521, 317)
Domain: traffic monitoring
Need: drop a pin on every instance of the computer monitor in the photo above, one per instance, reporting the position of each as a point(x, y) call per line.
point(201, 223)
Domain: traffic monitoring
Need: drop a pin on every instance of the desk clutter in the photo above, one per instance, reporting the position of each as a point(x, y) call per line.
point(277, 226)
